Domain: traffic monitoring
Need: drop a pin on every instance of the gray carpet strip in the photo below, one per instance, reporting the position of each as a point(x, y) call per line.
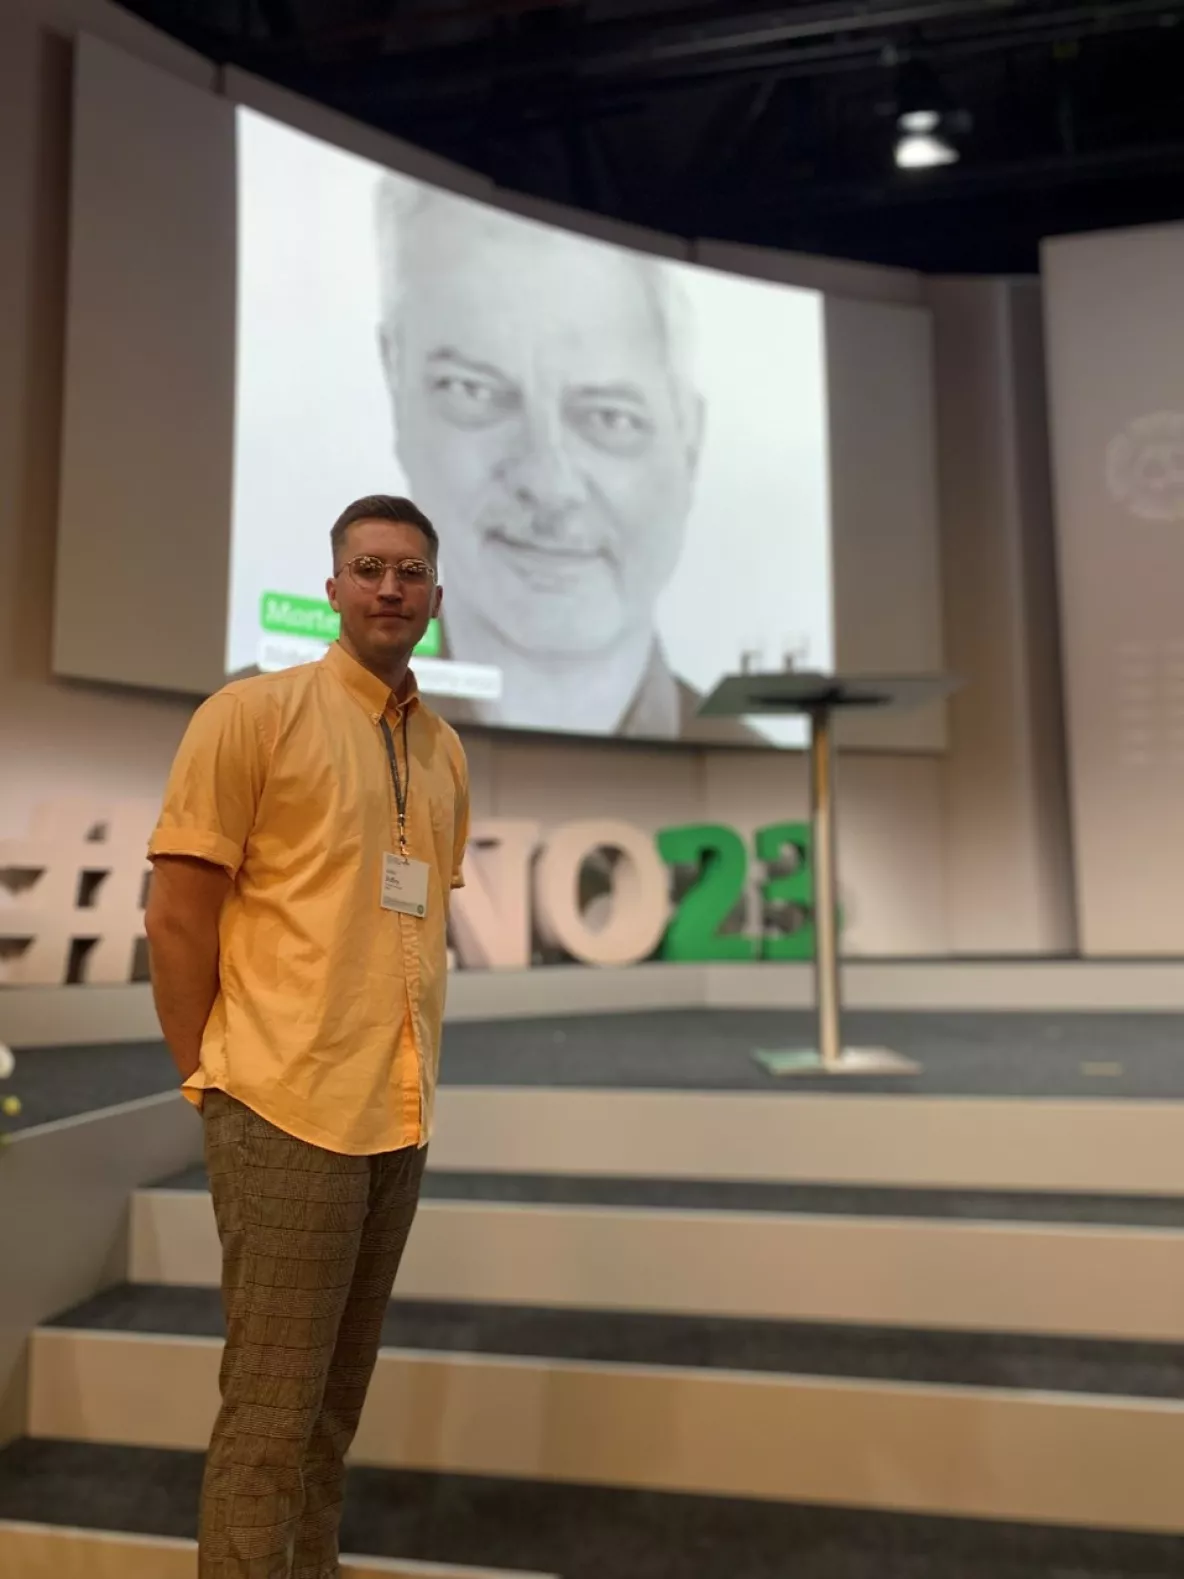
point(715, 1195)
point(976, 1359)
point(583, 1532)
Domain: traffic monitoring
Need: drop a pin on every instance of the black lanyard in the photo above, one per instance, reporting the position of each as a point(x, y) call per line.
point(401, 788)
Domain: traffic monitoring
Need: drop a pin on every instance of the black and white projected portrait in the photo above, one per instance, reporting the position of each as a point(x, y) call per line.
point(625, 457)
point(545, 408)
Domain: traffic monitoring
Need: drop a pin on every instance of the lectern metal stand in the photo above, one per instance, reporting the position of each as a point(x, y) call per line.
point(818, 697)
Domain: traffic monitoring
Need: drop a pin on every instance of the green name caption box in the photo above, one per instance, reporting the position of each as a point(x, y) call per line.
point(288, 614)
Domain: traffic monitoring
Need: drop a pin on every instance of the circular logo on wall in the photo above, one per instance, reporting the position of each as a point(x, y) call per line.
point(1145, 466)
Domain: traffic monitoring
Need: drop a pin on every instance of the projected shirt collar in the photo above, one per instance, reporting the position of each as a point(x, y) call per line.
point(654, 711)
point(655, 708)
point(663, 707)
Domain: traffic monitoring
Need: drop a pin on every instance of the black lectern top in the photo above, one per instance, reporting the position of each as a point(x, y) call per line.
point(799, 691)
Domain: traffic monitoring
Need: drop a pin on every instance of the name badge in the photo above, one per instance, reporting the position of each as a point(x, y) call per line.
point(404, 885)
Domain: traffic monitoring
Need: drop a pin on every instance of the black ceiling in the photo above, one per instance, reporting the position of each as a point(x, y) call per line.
point(757, 122)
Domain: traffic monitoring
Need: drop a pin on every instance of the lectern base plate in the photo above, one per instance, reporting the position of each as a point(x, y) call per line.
point(852, 1061)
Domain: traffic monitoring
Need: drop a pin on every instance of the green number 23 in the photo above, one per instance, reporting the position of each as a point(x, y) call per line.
point(718, 855)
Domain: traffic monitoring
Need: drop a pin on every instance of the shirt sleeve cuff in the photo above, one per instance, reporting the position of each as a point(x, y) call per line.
point(198, 843)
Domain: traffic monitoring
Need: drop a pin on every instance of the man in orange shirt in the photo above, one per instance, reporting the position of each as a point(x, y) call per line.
point(314, 823)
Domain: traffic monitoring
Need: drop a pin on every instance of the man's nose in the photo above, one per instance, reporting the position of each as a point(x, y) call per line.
point(543, 476)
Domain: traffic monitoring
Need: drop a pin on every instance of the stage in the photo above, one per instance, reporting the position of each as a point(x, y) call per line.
point(737, 1324)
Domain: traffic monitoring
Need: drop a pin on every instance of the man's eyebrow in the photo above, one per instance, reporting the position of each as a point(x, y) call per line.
point(631, 392)
point(449, 353)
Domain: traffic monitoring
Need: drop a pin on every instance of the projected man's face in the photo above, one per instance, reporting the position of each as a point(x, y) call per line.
point(539, 423)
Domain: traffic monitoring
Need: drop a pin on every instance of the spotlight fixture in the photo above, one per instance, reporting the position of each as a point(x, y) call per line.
point(919, 123)
point(925, 119)
point(924, 151)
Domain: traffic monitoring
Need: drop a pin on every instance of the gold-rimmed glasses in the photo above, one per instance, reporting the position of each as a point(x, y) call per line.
point(369, 571)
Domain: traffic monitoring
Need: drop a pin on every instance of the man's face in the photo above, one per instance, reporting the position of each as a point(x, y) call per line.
point(383, 619)
point(538, 422)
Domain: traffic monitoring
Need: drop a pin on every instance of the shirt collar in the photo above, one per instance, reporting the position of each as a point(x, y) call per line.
point(374, 694)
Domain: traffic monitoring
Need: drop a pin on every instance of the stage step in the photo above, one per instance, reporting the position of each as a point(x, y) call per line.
point(504, 1527)
point(836, 1136)
point(1090, 1103)
point(1089, 1267)
point(973, 1427)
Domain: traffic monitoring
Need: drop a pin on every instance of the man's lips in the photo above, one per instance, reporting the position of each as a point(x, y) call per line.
point(548, 553)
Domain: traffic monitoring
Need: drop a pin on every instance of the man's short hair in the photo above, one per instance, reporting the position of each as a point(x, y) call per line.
point(401, 204)
point(382, 507)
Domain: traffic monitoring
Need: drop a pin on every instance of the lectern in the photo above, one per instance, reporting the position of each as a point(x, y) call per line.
point(819, 697)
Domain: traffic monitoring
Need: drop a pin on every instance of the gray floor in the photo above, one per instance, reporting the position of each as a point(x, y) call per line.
point(970, 1359)
point(711, 1049)
point(583, 1532)
point(1090, 1056)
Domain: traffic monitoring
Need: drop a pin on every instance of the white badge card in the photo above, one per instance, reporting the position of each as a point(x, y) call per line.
point(404, 885)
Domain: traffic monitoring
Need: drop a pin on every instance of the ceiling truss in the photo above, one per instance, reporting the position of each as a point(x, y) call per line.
point(767, 123)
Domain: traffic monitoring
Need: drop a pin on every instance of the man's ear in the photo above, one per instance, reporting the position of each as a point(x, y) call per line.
point(697, 427)
point(331, 594)
point(437, 602)
point(388, 353)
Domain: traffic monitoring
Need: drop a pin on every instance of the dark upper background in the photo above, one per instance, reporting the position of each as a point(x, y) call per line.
point(747, 121)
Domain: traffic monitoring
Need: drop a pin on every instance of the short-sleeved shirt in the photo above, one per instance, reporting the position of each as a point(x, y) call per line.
point(328, 1016)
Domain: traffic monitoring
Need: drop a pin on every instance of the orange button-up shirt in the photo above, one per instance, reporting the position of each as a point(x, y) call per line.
point(328, 1016)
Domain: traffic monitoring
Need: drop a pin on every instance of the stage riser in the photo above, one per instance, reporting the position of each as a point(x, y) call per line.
point(966, 1452)
point(42, 1552)
point(1056, 1279)
point(1095, 1146)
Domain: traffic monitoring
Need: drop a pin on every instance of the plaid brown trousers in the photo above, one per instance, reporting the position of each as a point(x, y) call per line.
point(311, 1243)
